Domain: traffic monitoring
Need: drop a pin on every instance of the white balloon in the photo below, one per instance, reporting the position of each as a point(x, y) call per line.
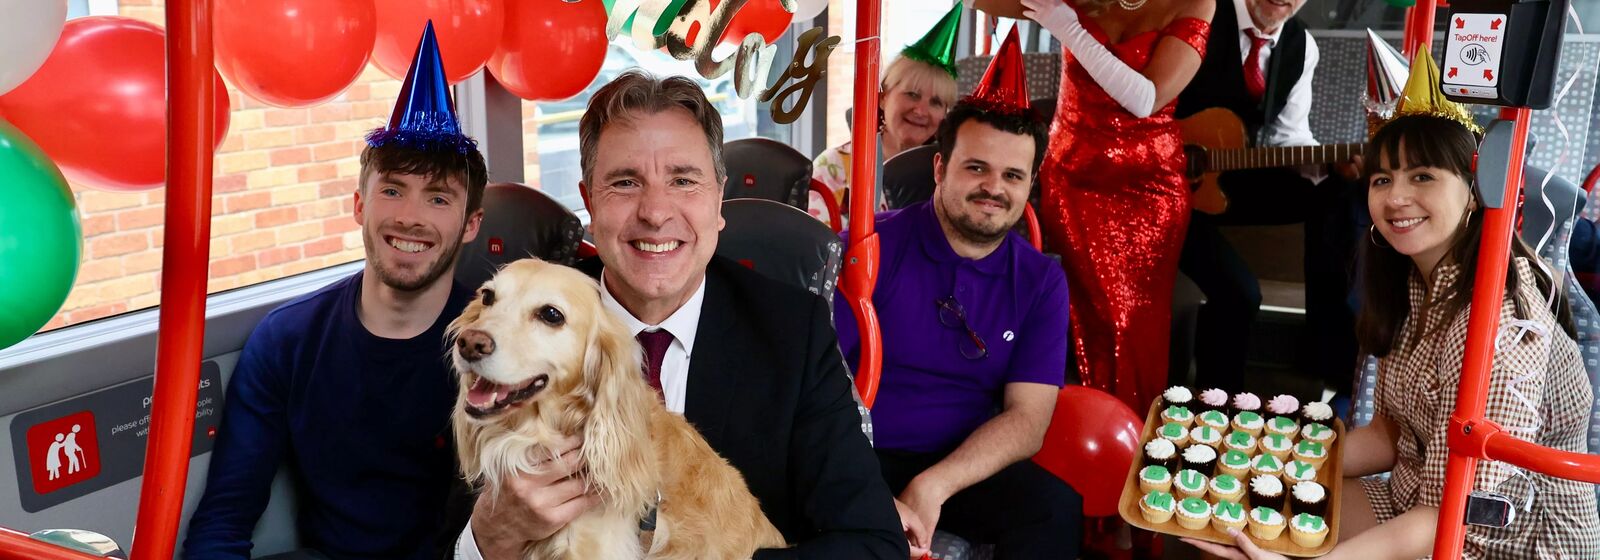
point(806, 10)
point(28, 32)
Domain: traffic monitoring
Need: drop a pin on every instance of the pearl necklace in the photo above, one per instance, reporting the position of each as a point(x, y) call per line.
point(1132, 5)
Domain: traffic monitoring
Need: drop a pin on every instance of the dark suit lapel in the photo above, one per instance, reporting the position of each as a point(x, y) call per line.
point(712, 376)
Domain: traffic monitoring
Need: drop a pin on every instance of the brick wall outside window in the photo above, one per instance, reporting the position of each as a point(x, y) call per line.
point(283, 199)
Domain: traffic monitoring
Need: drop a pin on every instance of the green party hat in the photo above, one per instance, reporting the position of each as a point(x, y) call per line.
point(938, 47)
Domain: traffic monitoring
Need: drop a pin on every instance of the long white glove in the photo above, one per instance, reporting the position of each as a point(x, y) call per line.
point(1131, 89)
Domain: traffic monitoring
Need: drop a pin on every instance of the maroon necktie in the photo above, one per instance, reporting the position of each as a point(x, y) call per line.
point(1255, 80)
point(655, 345)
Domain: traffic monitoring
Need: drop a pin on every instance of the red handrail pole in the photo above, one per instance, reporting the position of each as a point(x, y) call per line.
point(861, 258)
point(17, 546)
point(1483, 322)
point(184, 259)
point(1419, 26)
point(1503, 447)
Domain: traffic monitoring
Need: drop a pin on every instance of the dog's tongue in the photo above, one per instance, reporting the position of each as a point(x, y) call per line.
point(483, 393)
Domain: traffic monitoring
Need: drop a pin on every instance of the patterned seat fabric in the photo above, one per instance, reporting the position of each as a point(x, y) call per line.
point(518, 222)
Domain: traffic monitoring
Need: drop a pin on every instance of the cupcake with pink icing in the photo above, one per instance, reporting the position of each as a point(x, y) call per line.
point(1214, 399)
point(1246, 402)
point(1282, 411)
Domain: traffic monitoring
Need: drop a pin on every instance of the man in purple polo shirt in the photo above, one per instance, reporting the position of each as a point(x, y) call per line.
point(974, 324)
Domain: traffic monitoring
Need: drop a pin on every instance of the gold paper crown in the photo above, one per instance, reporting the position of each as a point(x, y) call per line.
point(1422, 95)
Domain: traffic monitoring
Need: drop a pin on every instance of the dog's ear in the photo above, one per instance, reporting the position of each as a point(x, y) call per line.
point(616, 438)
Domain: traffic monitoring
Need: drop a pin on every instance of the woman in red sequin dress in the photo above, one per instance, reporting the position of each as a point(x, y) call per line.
point(1115, 200)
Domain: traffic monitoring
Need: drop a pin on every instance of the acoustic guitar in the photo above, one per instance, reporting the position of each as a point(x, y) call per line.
point(1215, 141)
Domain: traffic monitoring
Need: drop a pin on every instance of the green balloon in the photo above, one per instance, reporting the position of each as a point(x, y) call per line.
point(40, 237)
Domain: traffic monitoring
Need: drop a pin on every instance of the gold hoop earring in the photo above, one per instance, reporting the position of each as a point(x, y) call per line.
point(1372, 235)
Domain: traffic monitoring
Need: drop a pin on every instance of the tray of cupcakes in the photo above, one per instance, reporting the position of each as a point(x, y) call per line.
point(1213, 462)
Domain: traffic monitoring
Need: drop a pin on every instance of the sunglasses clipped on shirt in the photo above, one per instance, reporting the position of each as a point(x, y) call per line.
point(954, 316)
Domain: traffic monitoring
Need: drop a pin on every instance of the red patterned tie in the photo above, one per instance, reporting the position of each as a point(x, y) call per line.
point(655, 345)
point(1255, 80)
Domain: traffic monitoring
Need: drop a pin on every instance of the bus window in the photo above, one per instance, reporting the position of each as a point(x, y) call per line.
point(282, 201)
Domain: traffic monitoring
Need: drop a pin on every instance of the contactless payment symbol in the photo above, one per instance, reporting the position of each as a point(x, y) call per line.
point(1471, 62)
point(63, 452)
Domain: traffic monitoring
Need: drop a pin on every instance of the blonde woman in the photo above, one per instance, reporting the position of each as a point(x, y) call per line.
point(918, 88)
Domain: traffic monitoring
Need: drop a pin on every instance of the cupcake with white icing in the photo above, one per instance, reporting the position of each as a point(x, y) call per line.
point(1309, 497)
point(1227, 515)
point(1266, 464)
point(1177, 395)
point(1200, 458)
point(1226, 487)
point(1214, 418)
point(1157, 506)
point(1194, 513)
point(1265, 523)
point(1319, 433)
point(1178, 414)
point(1308, 530)
point(1299, 471)
point(1155, 477)
point(1311, 452)
point(1242, 442)
point(1189, 484)
point(1277, 445)
point(1318, 412)
point(1207, 436)
point(1161, 452)
point(1248, 422)
point(1174, 432)
point(1267, 490)
point(1283, 425)
point(1234, 462)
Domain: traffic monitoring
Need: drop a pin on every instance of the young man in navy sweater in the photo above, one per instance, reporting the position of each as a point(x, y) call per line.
point(349, 387)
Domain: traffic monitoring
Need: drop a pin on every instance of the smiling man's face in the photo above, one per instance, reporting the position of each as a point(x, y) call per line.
point(1269, 15)
point(413, 226)
point(655, 207)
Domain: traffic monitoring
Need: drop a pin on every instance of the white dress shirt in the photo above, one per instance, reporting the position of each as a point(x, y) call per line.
point(683, 324)
point(1293, 125)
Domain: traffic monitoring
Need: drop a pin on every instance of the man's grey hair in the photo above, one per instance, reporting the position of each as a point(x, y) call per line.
point(636, 92)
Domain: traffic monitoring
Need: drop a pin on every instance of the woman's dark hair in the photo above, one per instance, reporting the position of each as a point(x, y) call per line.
point(1429, 141)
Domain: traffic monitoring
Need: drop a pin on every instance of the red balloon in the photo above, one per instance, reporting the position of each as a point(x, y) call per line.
point(295, 53)
point(98, 106)
point(1092, 440)
point(467, 30)
point(766, 17)
point(551, 49)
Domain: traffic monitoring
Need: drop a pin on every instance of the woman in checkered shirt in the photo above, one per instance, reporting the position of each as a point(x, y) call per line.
point(1417, 278)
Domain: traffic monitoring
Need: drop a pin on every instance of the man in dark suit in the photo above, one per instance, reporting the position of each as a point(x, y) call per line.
point(1259, 64)
point(752, 363)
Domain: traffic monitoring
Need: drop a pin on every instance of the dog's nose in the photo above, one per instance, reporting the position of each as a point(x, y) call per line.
point(474, 344)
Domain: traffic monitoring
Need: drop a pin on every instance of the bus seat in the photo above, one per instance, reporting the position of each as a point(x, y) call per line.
point(767, 169)
point(908, 177)
point(518, 222)
point(1043, 73)
point(783, 243)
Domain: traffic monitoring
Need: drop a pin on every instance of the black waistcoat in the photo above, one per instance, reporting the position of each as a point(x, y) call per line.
point(1220, 80)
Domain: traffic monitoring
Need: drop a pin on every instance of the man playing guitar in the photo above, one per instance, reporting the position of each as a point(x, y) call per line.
point(1259, 65)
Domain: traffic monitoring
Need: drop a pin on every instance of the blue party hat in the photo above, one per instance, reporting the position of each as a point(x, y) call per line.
point(425, 115)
